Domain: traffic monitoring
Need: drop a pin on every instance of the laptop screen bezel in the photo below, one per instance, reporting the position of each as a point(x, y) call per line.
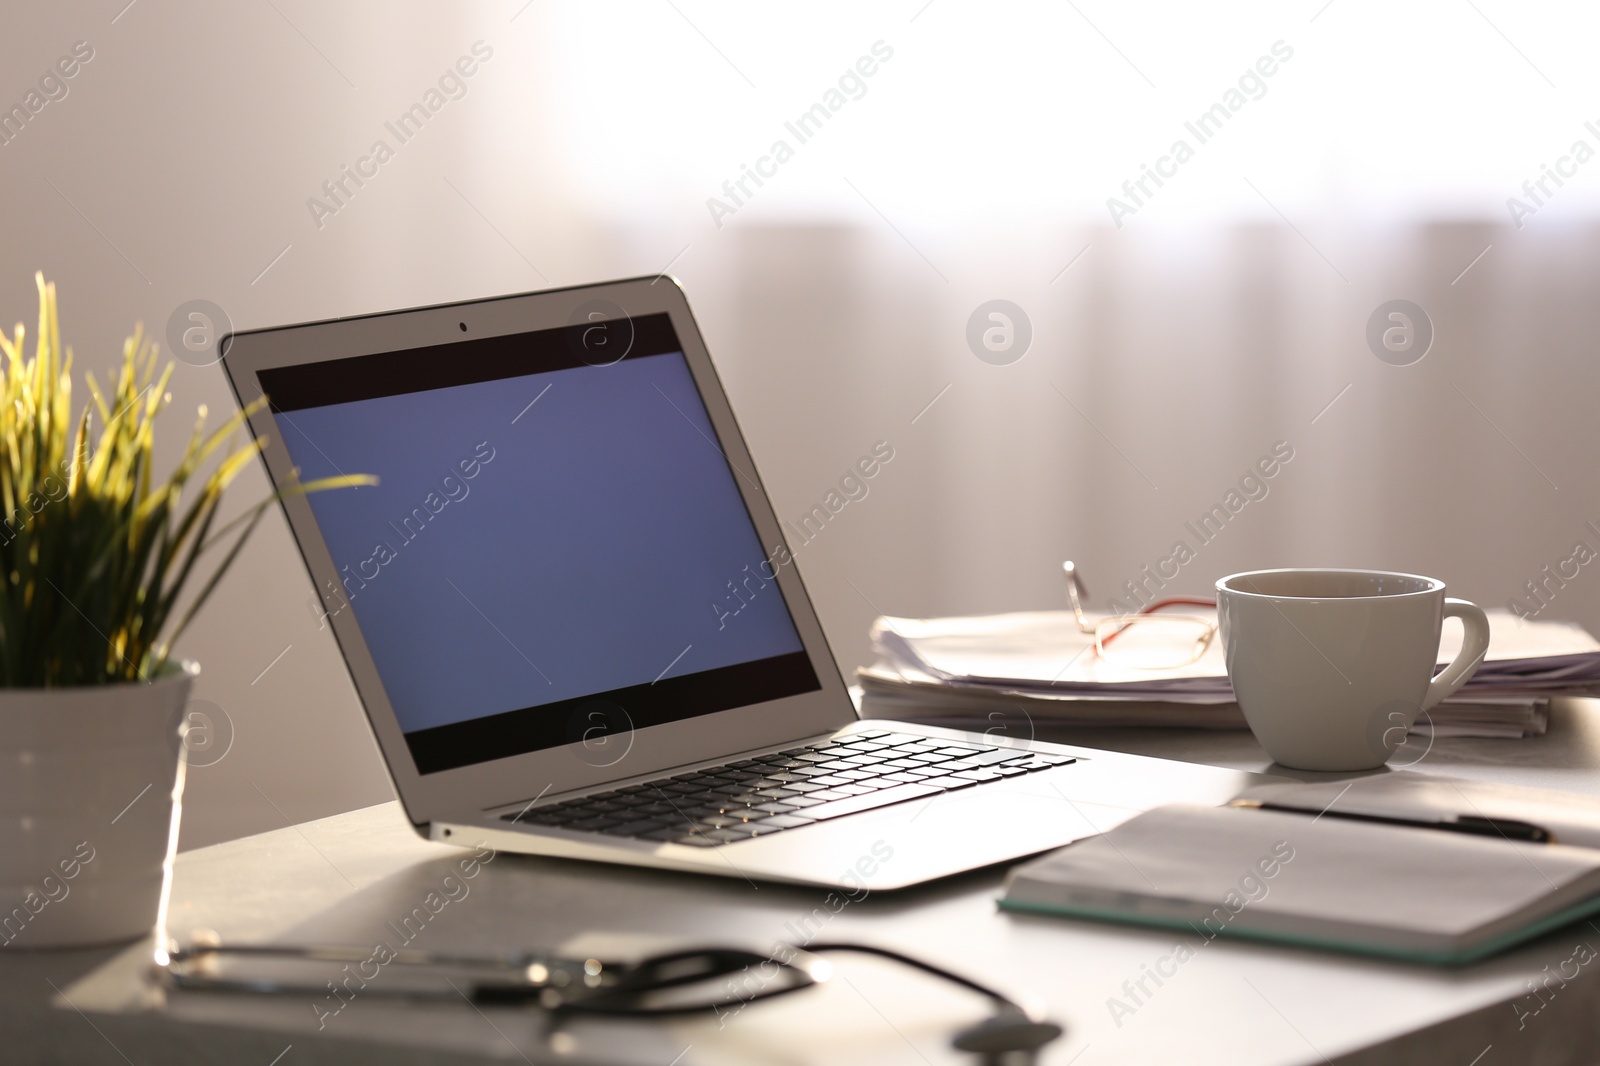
point(480, 786)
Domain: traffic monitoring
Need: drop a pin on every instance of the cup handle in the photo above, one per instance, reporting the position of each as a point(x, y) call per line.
point(1474, 646)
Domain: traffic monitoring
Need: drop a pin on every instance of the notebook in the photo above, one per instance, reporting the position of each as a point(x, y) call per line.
point(1345, 882)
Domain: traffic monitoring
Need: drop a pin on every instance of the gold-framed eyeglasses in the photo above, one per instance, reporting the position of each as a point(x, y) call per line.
point(1144, 640)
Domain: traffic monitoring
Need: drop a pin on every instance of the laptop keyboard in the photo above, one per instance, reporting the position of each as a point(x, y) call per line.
point(788, 789)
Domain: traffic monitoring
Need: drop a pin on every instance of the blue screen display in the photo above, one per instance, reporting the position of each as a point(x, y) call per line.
point(538, 538)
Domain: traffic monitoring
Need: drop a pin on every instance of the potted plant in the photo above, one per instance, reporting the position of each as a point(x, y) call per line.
point(95, 556)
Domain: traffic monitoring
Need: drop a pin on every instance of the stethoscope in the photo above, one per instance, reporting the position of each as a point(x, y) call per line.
point(655, 987)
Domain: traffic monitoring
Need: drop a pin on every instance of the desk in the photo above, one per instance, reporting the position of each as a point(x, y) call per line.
point(1242, 1004)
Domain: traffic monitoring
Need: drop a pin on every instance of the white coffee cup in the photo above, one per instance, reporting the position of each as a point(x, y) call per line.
point(1332, 667)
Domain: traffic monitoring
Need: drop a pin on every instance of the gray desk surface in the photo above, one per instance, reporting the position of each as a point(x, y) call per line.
point(343, 878)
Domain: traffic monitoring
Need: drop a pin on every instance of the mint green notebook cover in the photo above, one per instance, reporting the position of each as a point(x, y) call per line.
point(1371, 949)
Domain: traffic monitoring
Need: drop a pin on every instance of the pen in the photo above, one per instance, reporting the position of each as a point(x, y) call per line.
point(1504, 828)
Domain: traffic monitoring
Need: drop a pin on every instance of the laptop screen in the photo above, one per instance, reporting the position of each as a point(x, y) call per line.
point(555, 550)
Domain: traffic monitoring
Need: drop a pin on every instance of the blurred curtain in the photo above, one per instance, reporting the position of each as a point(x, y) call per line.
point(1162, 367)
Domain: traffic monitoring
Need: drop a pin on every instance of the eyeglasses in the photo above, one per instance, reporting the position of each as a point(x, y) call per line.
point(718, 981)
point(1144, 640)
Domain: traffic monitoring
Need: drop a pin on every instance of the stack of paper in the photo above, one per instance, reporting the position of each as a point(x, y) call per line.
point(963, 671)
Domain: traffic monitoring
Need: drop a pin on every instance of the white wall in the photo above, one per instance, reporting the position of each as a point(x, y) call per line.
point(1168, 358)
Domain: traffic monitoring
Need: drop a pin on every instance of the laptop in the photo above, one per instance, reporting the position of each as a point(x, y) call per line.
point(536, 604)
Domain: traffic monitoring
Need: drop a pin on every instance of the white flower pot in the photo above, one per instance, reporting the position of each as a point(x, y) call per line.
point(90, 787)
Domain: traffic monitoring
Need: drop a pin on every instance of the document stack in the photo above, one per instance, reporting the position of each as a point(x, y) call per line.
point(964, 672)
